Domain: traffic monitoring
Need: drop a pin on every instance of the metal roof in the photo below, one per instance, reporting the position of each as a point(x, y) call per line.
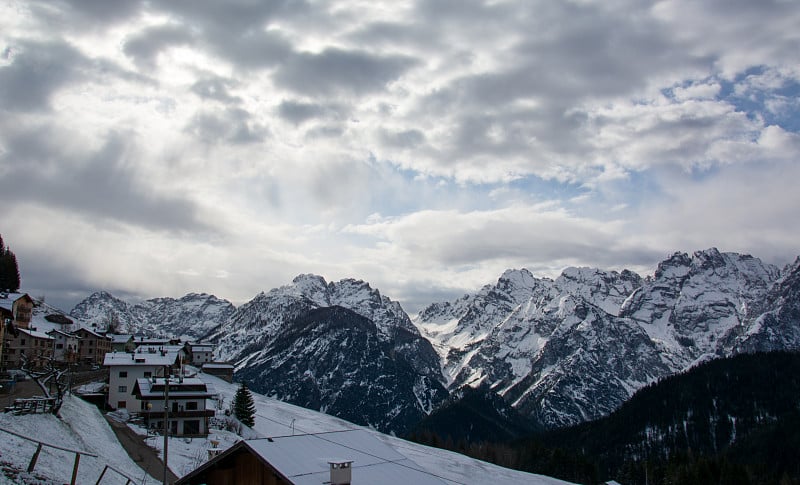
point(305, 459)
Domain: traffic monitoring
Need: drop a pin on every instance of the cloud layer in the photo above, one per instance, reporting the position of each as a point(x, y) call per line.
point(160, 147)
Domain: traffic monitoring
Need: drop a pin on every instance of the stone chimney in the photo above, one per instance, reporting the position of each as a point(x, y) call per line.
point(341, 472)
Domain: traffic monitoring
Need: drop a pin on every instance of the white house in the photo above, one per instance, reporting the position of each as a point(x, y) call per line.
point(200, 354)
point(125, 368)
point(65, 346)
point(188, 415)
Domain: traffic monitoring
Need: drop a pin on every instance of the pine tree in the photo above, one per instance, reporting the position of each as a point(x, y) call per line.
point(243, 406)
point(9, 270)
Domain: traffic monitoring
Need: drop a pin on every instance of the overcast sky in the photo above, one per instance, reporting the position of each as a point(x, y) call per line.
point(154, 148)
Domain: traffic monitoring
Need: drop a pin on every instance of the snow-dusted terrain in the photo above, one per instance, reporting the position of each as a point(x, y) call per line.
point(190, 317)
point(575, 348)
point(561, 351)
point(83, 428)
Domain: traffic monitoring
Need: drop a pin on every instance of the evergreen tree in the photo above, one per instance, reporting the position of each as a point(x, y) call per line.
point(243, 406)
point(9, 270)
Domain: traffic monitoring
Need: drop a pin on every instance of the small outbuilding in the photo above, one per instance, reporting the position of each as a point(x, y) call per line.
point(223, 370)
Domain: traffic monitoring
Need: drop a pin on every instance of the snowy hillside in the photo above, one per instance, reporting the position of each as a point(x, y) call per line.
point(83, 428)
point(563, 350)
point(276, 418)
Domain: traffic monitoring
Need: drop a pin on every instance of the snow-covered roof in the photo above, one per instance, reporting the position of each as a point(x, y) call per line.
point(90, 332)
point(119, 339)
point(7, 299)
point(214, 365)
point(202, 348)
point(140, 358)
point(34, 333)
point(190, 387)
point(66, 334)
point(305, 459)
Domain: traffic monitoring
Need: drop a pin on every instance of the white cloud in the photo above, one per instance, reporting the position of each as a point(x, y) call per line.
point(224, 146)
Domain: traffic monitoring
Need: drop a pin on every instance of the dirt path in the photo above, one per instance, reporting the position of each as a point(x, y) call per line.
point(143, 455)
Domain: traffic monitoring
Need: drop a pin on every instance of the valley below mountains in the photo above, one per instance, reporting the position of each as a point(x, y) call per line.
point(559, 351)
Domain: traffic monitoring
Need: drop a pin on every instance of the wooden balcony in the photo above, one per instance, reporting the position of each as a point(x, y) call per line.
point(200, 413)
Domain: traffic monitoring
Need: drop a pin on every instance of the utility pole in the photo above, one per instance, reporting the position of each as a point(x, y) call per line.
point(166, 421)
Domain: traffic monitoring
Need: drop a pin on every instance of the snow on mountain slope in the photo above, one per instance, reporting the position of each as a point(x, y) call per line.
point(776, 328)
point(576, 347)
point(340, 347)
point(192, 316)
point(693, 303)
point(493, 336)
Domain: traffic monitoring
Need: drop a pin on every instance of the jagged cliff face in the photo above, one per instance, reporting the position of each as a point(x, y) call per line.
point(335, 360)
point(340, 347)
point(191, 317)
point(493, 336)
point(694, 304)
point(562, 351)
point(575, 348)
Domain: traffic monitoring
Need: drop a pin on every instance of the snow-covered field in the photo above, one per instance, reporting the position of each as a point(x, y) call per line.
point(83, 428)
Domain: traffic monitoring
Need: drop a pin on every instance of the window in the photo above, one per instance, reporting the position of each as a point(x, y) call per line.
point(191, 427)
point(123, 389)
point(121, 404)
point(147, 375)
point(191, 406)
point(59, 346)
point(123, 373)
point(22, 342)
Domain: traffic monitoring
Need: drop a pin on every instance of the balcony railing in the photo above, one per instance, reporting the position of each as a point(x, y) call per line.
point(200, 413)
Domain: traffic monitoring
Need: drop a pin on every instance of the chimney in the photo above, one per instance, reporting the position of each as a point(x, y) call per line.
point(341, 472)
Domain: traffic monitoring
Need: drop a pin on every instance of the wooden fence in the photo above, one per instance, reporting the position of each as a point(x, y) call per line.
point(78, 453)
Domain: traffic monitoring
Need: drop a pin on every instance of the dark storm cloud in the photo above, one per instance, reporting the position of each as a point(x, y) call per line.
point(145, 46)
point(402, 139)
point(36, 72)
point(299, 112)
point(84, 14)
point(393, 34)
point(237, 31)
point(338, 71)
point(573, 54)
point(325, 131)
point(216, 88)
point(234, 126)
point(102, 184)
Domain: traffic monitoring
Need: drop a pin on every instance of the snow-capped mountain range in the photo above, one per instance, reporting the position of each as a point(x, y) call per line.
point(192, 316)
point(561, 351)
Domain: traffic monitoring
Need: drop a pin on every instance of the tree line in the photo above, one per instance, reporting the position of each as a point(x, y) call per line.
point(9, 269)
point(730, 421)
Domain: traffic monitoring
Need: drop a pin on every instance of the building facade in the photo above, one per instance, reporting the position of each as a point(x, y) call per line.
point(92, 346)
point(124, 369)
point(187, 415)
point(26, 347)
point(65, 347)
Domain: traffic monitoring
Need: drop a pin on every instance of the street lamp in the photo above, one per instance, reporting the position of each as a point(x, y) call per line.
point(166, 420)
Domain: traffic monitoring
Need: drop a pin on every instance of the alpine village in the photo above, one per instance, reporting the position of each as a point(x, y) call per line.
point(687, 376)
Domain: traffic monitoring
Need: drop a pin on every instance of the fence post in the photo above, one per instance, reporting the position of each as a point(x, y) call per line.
point(101, 475)
point(75, 468)
point(34, 458)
